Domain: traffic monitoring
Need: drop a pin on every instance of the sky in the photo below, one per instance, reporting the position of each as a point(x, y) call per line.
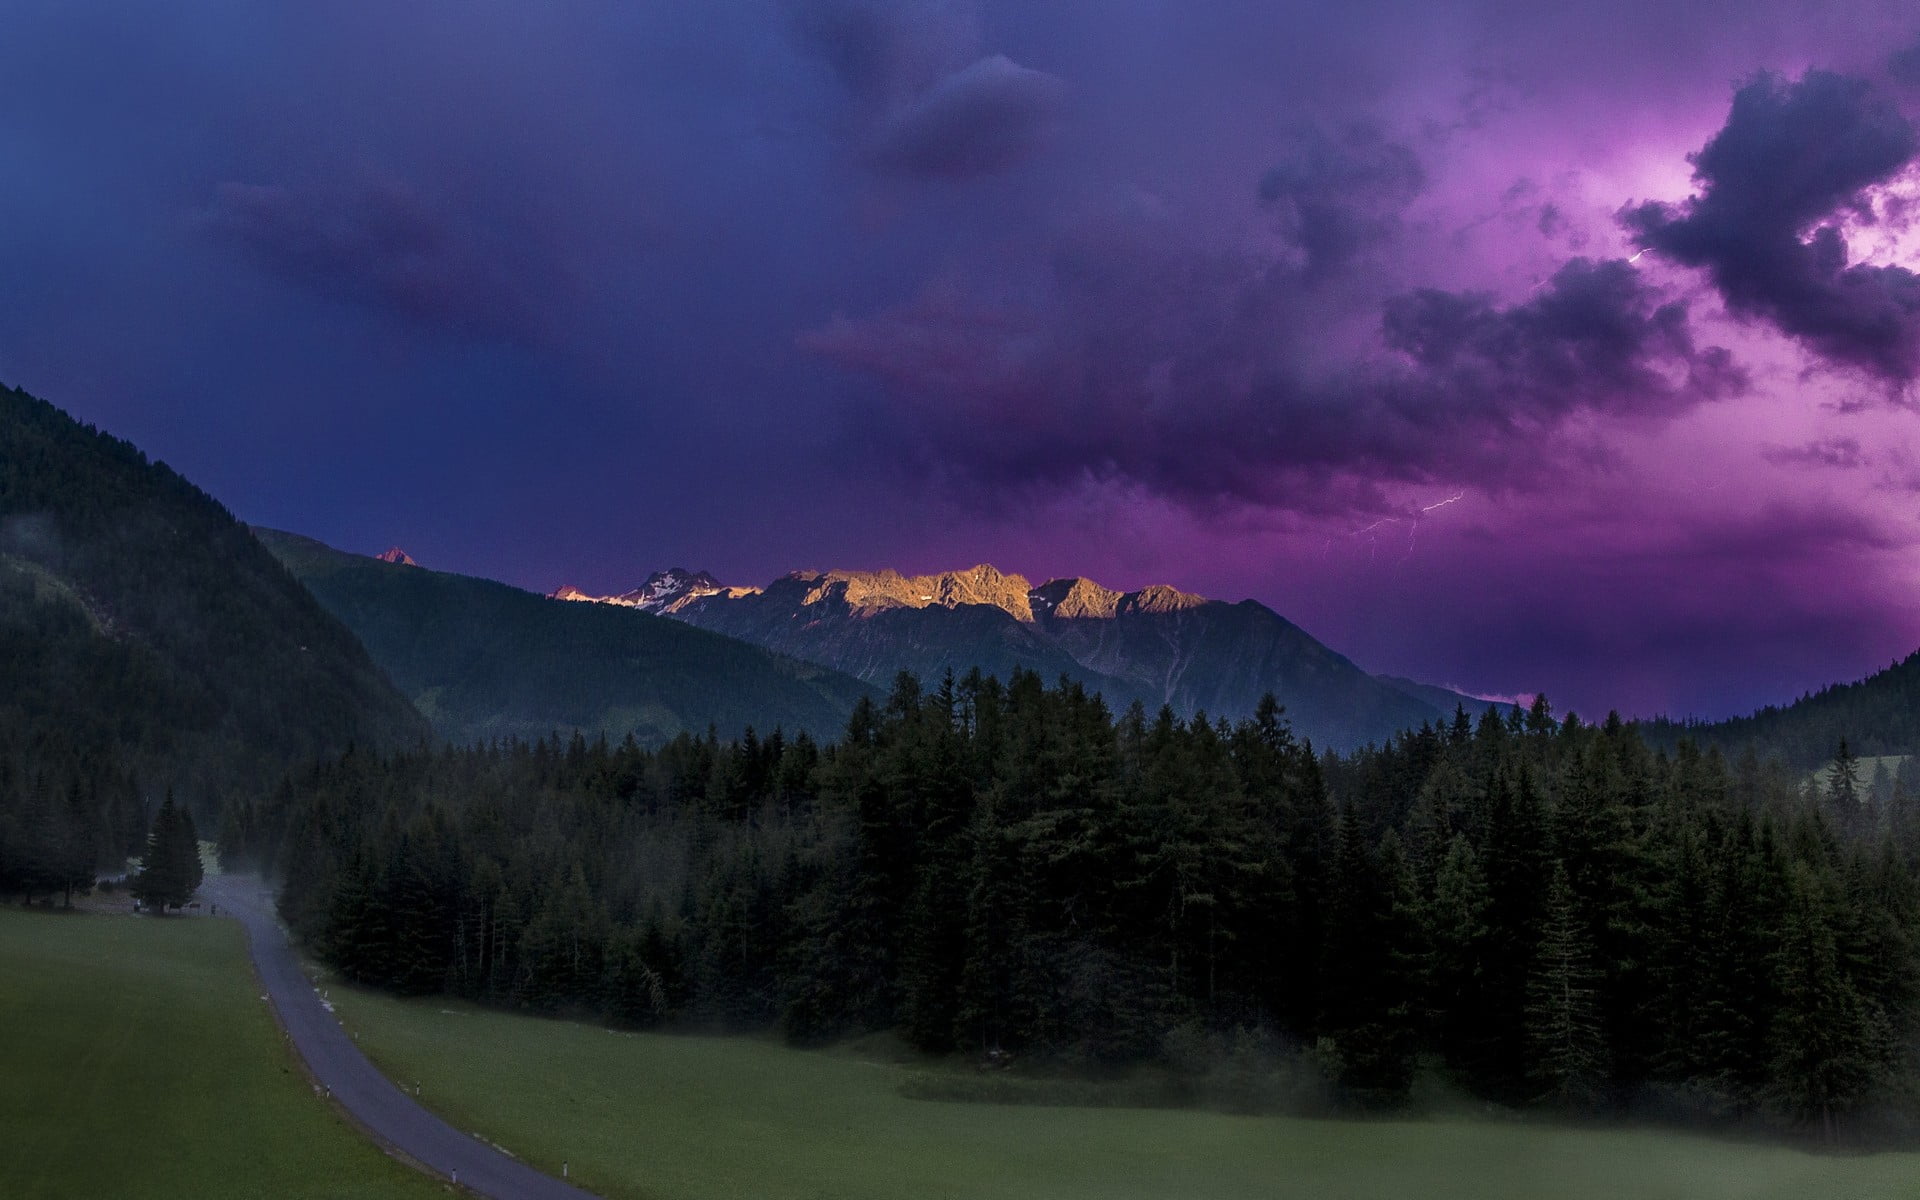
point(1515, 347)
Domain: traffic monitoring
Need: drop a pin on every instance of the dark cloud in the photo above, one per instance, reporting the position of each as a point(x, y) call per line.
point(1177, 380)
point(929, 104)
point(1839, 453)
point(1793, 162)
point(1904, 65)
point(1334, 197)
point(1595, 338)
point(885, 52)
point(855, 40)
point(977, 121)
point(381, 247)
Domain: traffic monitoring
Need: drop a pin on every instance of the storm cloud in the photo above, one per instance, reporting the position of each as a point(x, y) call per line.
point(1334, 197)
point(886, 52)
point(380, 246)
point(1178, 377)
point(931, 105)
point(1156, 293)
point(983, 119)
point(1795, 162)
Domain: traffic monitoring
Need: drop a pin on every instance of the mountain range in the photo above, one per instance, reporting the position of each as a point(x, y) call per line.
point(1155, 646)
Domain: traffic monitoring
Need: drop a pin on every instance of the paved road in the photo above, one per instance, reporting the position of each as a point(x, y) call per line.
point(337, 1063)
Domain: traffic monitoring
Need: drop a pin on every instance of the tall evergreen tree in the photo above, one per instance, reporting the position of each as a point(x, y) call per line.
point(1457, 932)
point(171, 870)
point(1367, 993)
point(1568, 1054)
point(1843, 789)
point(1825, 1035)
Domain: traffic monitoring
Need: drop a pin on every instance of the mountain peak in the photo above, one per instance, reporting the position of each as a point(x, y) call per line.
point(1075, 598)
point(397, 556)
point(1078, 599)
point(1160, 599)
point(873, 591)
point(664, 591)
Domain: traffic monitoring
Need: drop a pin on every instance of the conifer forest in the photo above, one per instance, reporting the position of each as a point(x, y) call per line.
point(1528, 909)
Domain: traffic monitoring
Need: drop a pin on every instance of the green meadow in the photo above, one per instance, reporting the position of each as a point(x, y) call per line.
point(137, 1059)
point(666, 1117)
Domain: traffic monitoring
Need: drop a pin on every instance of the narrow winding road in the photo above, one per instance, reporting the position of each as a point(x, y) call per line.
point(336, 1063)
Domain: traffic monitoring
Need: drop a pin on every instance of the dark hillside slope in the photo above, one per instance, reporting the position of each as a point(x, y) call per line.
point(1877, 715)
point(1220, 659)
point(145, 635)
point(484, 660)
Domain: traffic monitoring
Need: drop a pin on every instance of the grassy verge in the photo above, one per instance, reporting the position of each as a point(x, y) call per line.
point(696, 1118)
point(137, 1059)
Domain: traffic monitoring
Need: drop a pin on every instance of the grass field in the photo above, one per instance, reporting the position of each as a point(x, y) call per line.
point(137, 1059)
point(691, 1118)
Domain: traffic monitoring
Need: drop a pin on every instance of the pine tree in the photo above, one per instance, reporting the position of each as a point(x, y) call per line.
point(171, 870)
point(1843, 790)
point(1824, 1034)
point(78, 844)
point(1567, 1051)
point(1367, 992)
point(37, 842)
point(1515, 860)
point(1457, 931)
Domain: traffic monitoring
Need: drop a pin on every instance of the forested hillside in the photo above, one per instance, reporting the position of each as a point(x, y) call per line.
point(1879, 715)
point(147, 644)
point(483, 660)
point(1538, 912)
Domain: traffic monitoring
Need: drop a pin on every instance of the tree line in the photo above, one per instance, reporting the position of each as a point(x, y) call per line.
point(66, 818)
point(1878, 715)
point(1532, 909)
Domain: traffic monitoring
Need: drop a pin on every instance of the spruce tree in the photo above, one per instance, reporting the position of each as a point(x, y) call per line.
point(78, 844)
point(171, 870)
point(1367, 1019)
point(1825, 1034)
point(1567, 1051)
point(1843, 790)
point(1457, 931)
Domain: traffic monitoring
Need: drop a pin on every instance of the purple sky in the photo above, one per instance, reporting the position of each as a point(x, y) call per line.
point(1510, 346)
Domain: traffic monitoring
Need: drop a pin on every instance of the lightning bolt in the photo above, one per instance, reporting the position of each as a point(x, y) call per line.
point(1636, 256)
point(1413, 530)
point(1374, 526)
